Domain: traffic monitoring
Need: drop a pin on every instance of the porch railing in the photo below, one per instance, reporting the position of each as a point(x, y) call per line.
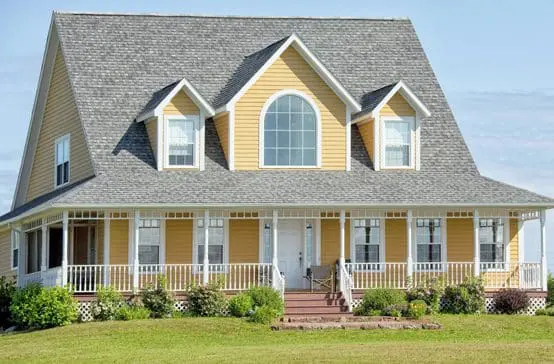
point(521, 275)
point(179, 277)
point(346, 286)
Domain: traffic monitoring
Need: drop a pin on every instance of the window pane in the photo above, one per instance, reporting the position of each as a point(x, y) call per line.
point(270, 157)
point(296, 157)
point(397, 132)
point(428, 253)
point(367, 253)
point(397, 156)
point(215, 254)
point(309, 157)
point(270, 121)
point(296, 121)
point(15, 262)
point(296, 104)
point(270, 140)
point(65, 167)
point(283, 156)
point(296, 139)
point(181, 139)
point(283, 121)
point(283, 104)
point(283, 139)
point(149, 254)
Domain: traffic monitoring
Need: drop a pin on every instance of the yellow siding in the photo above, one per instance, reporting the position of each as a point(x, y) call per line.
point(244, 238)
point(514, 241)
point(459, 240)
point(222, 127)
point(178, 241)
point(367, 133)
point(119, 242)
point(60, 118)
point(181, 105)
point(151, 129)
point(290, 71)
point(395, 240)
point(330, 241)
point(6, 254)
point(397, 106)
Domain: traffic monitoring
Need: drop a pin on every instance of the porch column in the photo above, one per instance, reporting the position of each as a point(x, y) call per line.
point(136, 239)
point(275, 256)
point(65, 245)
point(43, 263)
point(476, 247)
point(342, 238)
point(206, 242)
point(410, 259)
point(106, 249)
point(544, 267)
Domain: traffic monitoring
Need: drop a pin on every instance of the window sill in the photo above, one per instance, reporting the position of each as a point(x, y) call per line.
point(290, 167)
point(60, 186)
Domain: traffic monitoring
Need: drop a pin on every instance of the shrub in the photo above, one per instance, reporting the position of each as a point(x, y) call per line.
point(241, 305)
point(132, 312)
point(207, 301)
point(264, 315)
point(431, 292)
point(549, 311)
point(7, 290)
point(37, 307)
point(416, 309)
point(107, 304)
point(157, 299)
point(396, 310)
point(550, 294)
point(378, 299)
point(468, 297)
point(266, 296)
point(510, 301)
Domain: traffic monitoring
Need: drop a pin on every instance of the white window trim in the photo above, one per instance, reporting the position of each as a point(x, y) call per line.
point(266, 106)
point(61, 140)
point(382, 246)
point(197, 149)
point(131, 254)
point(506, 242)
point(444, 253)
point(198, 266)
point(411, 122)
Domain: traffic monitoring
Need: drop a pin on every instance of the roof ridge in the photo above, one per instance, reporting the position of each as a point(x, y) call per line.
point(188, 15)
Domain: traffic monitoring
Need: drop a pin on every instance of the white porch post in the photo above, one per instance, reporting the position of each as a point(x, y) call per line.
point(274, 247)
point(342, 238)
point(43, 264)
point(544, 267)
point(410, 259)
point(206, 242)
point(106, 249)
point(136, 239)
point(476, 247)
point(65, 246)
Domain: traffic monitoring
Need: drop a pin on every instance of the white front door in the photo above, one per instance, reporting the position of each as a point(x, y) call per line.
point(290, 249)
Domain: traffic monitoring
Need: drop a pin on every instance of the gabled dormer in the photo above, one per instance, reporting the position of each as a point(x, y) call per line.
point(390, 127)
point(175, 122)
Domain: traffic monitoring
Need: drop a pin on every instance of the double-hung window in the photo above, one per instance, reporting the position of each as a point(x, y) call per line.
point(62, 160)
point(182, 141)
point(216, 241)
point(491, 239)
point(15, 249)
point(429, 241)
point(367, 243)
point(397, 143)
point(149, 242)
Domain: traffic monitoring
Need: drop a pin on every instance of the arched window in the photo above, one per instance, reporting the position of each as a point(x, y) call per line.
point(290, 133)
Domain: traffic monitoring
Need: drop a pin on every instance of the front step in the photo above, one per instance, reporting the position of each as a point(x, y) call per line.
point(315, 303)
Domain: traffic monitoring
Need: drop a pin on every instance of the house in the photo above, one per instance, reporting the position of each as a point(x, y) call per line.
point(247, 150)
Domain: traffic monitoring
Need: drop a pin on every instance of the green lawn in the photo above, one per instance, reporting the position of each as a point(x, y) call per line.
point(463, 338)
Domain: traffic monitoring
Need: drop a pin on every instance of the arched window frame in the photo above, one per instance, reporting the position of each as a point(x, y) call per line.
point(266, 106)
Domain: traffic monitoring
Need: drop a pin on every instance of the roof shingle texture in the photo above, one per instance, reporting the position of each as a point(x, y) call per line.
point(117, 63)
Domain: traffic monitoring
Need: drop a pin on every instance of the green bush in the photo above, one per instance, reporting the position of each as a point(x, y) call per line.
point(549, 311)
point(7, 290)
point(467, 298)
point(396, 310)
point(510, 301)
point(266, 296)
point(157, 299)
point(132, 312)
point(241, 305)
point(550, 286)
point(107, 304)
point(378, 299)
point(264, 315)
point(207, 301)
point(416, 309)
point(37, 307)
point(431, 292)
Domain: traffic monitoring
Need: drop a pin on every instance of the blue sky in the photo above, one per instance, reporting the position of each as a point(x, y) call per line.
point(495, 64)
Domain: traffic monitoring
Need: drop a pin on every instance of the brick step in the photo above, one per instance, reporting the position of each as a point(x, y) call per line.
point(305, 303)
point(311, 310)
point(329, 316)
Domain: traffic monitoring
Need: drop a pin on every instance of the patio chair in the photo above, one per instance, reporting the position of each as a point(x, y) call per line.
point(322, 276)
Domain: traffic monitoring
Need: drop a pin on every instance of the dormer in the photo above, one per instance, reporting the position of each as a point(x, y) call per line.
point(389, 124)
point(175, 122)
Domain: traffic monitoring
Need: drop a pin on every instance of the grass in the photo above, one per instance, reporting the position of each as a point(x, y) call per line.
point(464, 338)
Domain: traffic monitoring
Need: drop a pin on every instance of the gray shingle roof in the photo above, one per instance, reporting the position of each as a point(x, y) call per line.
point(372, 99)
point(116, 64)
point(158, 97)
